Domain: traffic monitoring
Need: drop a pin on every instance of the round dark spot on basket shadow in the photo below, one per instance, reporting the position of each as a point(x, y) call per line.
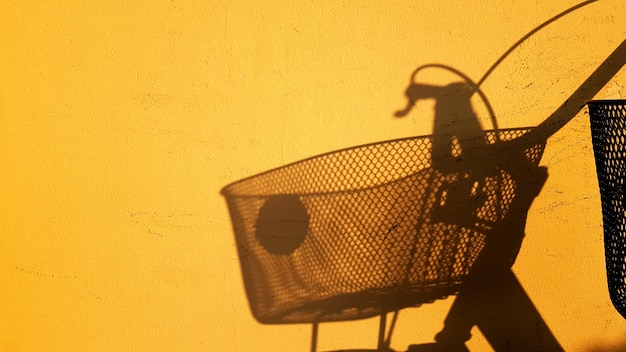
point(282, 224)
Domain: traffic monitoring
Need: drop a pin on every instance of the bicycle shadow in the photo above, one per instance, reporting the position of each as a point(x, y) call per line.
point(373, 229)
point(491, 297)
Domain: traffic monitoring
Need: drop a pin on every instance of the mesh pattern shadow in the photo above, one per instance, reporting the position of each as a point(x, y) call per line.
point(367, 230)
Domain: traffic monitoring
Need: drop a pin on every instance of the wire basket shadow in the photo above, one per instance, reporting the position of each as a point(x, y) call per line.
point(366, 230)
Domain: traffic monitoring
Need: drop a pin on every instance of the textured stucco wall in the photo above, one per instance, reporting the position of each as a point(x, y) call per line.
point(120, 122)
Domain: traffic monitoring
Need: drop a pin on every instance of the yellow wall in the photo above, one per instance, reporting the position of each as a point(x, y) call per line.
point(120, 122)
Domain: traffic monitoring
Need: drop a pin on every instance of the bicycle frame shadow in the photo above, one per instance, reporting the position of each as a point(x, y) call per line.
point(491, 298)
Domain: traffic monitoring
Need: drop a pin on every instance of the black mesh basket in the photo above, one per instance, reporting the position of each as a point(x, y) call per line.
point(608, 133)
point(362, 231)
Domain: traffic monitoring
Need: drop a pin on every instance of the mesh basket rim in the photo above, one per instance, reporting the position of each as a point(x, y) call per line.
point(606, 102)
point(226, 190)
